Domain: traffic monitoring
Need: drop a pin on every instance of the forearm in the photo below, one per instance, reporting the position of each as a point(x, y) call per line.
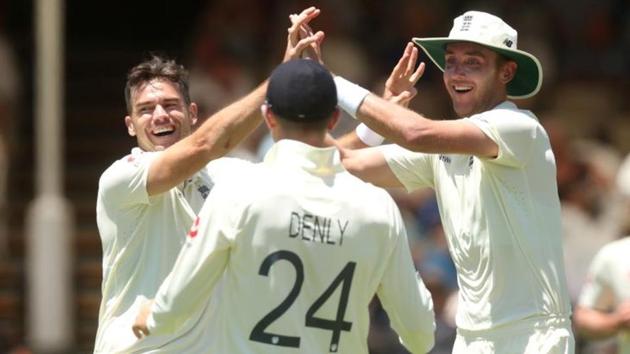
point(350, 141)
point(410, 129)
point(398, 124)
point(389, 120)
point(219, 134)
point(369, 164)
point(596, 324)
point(227, 128)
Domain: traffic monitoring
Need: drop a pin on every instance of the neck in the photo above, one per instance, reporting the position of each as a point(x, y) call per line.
point(317, 139)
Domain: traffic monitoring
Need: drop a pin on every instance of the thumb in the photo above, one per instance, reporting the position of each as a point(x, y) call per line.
point(404, 97)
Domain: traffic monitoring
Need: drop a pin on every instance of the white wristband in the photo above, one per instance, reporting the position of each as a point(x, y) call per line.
point(349, 95)
point(368, 136)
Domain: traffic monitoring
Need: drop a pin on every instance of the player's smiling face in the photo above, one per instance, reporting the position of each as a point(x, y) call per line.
point(159, 116)
point(473, 78)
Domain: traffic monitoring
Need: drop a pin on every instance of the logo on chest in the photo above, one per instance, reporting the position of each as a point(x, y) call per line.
point(203, 190)
point(458, 164)
point(448, 160)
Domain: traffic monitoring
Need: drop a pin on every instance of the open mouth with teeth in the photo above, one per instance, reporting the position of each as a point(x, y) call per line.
point(163, 131)
point(462, 88)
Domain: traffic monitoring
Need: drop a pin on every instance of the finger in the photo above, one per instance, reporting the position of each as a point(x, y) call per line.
point(304, 32)
point(404, 98)
point(137, 332)
point(307, 15)
point(308, 29)
point(405, 95)
point(409, 46)
point(320, 38)
point(412, 92)
point(402, 63)
point(417, 74)
point(299, 20)
point(305, 42)
point(292, 34)
point(413, 58)
point(297, 17)
point(307, 10)
point(400, 100)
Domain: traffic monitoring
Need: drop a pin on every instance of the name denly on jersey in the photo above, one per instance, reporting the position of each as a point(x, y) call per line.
point(313, 228)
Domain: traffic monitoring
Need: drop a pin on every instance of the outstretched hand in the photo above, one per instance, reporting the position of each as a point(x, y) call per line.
point(301, 37)
point(399, 87)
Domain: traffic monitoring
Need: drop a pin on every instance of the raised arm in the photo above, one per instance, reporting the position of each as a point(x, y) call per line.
point(417, 133)
point(399, 89)
point(405, 127)
point(221, 132)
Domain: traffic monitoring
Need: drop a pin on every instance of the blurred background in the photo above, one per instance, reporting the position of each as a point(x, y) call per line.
point(230, 46)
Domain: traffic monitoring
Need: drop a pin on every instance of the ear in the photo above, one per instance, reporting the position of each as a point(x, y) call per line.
point(334, 119)
point(131, 130)
point(193, 110)
point(270, 120)
point(508, 70)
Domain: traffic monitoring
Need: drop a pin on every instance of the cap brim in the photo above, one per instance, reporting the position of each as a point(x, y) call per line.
point(526, 82)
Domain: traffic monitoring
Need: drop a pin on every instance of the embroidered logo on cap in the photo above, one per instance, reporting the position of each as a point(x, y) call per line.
point(467, 23)
point(508, 43)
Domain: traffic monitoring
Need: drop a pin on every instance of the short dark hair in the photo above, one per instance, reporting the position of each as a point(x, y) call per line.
point(157, 68)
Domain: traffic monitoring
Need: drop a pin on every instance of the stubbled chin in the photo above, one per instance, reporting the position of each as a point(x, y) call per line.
point(462, 108)
point(161, 143)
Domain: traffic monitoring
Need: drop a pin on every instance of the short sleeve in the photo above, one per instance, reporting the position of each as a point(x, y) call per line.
point(597, 291)
point(514, 132)
point(125, 182)
point(413, 169)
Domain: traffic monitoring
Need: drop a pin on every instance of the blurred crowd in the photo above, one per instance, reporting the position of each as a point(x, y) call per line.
point(584, 47)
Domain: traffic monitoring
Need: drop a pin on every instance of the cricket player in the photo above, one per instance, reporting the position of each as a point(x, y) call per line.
point(603, 308)
point(148, 199)
point(494, 175)
point(300, 245)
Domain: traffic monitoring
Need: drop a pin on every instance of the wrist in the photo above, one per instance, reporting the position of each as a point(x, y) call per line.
point(368, 136)
point(349, 95)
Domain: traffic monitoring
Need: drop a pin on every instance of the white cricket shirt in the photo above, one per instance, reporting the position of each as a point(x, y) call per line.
point(301, 247)
point(608, 283)
point(141, 237)
point(501, 218)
